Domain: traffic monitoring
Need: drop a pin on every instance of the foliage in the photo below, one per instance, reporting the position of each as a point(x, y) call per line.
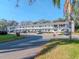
point(17, 33)
point(76, 25)
point(3, 33)
point(78, 31)
point(56, 3)
point(3, 25)
point(12, 23)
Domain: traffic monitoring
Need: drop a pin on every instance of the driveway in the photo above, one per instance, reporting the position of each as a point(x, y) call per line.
point(22, 49)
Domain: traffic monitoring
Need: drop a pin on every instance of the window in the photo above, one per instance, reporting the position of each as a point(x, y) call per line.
point(48, 29)
point(55, 25)
point(62, 25)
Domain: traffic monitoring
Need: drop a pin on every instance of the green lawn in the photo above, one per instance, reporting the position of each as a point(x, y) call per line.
point(9, 37)
point(60, 49)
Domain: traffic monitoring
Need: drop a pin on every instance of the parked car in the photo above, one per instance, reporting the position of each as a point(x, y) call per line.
point(66, 32)
point(39, 32)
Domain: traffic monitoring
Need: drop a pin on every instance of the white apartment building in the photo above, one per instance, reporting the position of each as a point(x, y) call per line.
point(59, 26)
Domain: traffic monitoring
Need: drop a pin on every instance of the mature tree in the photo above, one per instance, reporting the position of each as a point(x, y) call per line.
point(3, 25)
point(12, 23)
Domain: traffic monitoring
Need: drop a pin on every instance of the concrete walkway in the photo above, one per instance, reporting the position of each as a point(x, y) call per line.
point(22, 49)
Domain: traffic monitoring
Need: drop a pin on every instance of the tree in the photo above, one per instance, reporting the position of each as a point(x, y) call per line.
point(3, 25)
point(69, 9)
point(12, 23)
point(56, 3)
point(76, 14)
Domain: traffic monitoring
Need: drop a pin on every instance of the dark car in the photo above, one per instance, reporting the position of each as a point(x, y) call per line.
point(3, 33)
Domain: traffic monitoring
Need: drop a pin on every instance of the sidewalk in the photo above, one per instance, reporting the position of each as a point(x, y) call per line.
point(22, 54)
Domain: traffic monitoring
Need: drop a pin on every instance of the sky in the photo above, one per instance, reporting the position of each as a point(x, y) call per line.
point(41, 9)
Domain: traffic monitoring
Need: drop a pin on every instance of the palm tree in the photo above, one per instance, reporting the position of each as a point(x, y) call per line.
point(68, 9)
point(56, 3)
point(29, 1)
point(70, 6)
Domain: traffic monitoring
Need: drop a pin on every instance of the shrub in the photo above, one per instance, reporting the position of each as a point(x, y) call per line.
point(17, 33)
point(78, 30)
point(3, 33)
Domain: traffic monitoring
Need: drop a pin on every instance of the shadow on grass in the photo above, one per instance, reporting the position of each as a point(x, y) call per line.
point(52, 44)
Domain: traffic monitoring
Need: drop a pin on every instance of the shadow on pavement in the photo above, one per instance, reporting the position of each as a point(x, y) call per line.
point(31, 57)
point(27, 43)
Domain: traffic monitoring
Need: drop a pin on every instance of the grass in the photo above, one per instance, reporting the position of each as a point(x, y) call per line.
point(77, 33)
point(9, 37)
point(60, 49)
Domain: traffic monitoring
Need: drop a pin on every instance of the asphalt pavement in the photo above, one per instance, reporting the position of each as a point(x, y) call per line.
point(22, 49)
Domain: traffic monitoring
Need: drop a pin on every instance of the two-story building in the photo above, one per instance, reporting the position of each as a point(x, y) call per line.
point(59, 26)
